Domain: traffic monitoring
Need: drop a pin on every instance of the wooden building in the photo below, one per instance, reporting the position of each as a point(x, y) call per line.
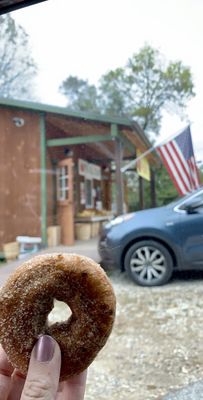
point(55, 163)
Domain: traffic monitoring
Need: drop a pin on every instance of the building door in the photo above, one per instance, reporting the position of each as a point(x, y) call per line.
point(65, 200)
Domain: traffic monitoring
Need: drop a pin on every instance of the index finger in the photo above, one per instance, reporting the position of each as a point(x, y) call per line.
point(6, 371)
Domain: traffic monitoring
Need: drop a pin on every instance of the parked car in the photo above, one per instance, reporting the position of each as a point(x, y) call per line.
point(151, 244)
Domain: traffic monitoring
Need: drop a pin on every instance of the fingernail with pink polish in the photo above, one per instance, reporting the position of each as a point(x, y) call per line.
point(44, 349)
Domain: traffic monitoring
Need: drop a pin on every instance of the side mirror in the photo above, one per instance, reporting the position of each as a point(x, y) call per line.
point(193, 205)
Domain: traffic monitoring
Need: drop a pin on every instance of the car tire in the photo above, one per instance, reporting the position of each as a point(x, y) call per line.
point(148, 263)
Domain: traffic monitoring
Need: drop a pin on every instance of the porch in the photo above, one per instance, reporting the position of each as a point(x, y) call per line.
point(73, 160)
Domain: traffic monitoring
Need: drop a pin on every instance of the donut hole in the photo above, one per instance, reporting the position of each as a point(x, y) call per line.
point(60, 313)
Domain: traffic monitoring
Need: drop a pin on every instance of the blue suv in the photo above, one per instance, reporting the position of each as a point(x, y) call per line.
point(150, 244)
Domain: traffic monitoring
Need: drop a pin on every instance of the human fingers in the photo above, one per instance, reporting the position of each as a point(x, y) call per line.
point(44, 370)
point(6, 371)
point(60, 392)
point(74, 388)
point(18, 381)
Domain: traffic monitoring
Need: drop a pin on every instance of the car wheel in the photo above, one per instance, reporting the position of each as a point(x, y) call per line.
point(148, 263)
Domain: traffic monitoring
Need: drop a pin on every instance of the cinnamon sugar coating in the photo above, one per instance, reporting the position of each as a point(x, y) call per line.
point(28, 297)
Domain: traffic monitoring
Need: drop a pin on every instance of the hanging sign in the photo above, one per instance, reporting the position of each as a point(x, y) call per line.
point(88, 170)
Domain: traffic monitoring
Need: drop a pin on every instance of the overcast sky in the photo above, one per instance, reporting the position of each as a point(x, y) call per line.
point(88, 38)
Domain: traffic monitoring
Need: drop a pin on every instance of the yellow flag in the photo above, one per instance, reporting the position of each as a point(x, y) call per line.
point(143, 168)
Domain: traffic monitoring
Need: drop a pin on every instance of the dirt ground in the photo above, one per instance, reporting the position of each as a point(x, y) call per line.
point(156, 343)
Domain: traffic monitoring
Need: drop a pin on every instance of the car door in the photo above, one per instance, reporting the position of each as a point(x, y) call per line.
point(191, 234)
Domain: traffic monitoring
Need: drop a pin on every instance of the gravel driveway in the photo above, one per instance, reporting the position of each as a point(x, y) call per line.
point(156, 344)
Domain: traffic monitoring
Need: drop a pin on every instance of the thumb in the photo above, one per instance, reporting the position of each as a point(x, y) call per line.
point(44, 370)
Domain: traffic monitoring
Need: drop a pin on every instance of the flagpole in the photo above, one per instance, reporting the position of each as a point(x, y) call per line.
point(134, 162)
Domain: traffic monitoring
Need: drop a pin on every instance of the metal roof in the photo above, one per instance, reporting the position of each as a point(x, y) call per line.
point(46, 108)
point(88, 116)
point(11, 5)
point(65, 119)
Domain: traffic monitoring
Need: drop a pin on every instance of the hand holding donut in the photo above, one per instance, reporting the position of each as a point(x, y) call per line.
point(43, 376)
point(62, 351)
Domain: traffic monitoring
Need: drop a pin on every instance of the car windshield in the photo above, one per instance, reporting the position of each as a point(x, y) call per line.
point(101, 117)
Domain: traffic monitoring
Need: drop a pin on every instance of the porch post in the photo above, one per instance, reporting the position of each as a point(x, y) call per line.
point(153, 188)
point(119, 175)
point(141, 192)
point(43, 180)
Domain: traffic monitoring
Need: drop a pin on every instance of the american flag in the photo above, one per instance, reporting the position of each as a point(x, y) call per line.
point(178, 157)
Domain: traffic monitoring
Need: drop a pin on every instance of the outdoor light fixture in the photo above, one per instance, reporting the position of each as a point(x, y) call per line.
point(68, 152)
point(18, 121)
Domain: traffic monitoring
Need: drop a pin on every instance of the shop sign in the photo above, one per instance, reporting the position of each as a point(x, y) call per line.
point(88, 170)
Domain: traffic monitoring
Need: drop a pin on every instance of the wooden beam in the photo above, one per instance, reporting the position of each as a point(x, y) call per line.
point(119, 175)
point(127, 143)
point(43, 179)
point(153, 188)
point(78, 140)
point(141, 192)
point(114, 131)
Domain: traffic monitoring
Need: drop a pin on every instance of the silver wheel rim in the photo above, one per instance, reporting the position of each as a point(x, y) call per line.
point(148, 264)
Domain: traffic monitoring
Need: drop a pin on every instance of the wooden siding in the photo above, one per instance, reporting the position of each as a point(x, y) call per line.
point(20, 188)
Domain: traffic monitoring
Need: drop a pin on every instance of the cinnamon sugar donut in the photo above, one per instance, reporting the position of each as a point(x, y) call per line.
point(27, 299)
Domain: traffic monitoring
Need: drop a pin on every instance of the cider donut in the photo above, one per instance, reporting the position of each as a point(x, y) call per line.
point(28, 296)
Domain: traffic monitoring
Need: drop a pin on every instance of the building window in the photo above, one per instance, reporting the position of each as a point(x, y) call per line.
point(62, 184)
point(88, 193)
